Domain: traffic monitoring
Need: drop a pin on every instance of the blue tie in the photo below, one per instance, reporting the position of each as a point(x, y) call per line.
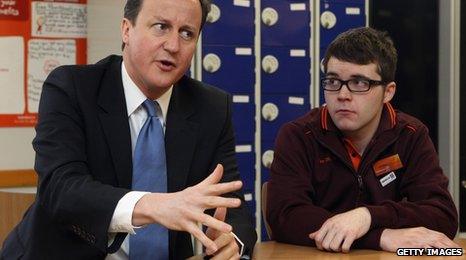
point(150, 174)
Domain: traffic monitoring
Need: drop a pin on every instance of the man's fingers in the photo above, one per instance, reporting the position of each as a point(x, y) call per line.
point(328, 239)
point(220, 214)
point(319, 237)
point(210, 245)
point(445, 243)
point(217, 202)
point(211, 222)
point(214, 177)
point(345, 247)
point(335, 244)
point(227, 247)
point(222, 188)
point(224, 239)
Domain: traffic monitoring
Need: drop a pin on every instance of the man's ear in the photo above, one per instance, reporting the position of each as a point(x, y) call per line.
point(389, 92)
point(126, 25)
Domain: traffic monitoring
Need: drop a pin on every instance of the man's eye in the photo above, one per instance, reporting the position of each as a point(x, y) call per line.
point(186, 34)
point(361, 82)
point(333, 81)
point(160, 26)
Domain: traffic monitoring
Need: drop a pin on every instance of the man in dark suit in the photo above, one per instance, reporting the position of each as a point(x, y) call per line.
point(89, 121)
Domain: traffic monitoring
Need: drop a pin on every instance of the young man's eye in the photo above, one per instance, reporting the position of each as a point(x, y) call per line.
point(362, 82)
point(333, 81)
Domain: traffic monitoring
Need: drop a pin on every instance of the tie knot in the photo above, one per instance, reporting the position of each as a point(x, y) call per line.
point(151, 107)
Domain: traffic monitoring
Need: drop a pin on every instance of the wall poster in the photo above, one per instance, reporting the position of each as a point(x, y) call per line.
point(36, 36)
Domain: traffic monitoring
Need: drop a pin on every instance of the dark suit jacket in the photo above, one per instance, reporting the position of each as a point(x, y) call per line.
point(84, 162)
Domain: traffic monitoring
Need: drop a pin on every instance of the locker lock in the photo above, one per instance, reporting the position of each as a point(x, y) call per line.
point(269, 16)
point(214, 14)
point(270, 112)
point(270, 64)
point(328, 20)
point(211, 62)
point(321, 65)
point(267, 158)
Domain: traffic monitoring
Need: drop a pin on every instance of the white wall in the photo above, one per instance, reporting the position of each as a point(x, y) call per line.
point(104, 18)
point(16, 149)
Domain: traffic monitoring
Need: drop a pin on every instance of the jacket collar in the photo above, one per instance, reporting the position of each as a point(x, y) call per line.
point(387, 121)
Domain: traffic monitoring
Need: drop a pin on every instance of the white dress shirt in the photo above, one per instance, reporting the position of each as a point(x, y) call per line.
point(137, 115)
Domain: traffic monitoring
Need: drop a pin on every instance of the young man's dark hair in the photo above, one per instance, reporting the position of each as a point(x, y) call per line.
point(133, 7)
point(362, 46)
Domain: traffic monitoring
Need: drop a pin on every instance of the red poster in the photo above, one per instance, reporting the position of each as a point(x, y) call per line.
point(36, 37)
point(13, 10)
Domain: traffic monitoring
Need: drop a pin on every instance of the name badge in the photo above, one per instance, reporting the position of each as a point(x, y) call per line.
point(387, 179)
point(388, 164)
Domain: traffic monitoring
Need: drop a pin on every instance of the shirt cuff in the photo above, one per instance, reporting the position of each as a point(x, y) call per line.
point(123, 214)
point(241, 250)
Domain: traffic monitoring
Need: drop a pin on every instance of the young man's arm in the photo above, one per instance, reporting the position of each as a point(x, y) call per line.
point(290, 210)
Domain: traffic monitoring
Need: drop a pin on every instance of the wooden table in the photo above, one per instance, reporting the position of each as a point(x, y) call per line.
point(273, 250)
point(13, 204)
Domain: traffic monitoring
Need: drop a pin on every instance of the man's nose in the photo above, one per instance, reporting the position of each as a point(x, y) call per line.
point(172, 43)
point(344, 92)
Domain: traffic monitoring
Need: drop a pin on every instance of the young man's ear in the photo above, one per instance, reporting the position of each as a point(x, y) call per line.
point(389, 92)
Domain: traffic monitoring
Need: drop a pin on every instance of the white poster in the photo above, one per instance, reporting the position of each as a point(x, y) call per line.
point(11, 75)
point(59, 20)
point(44, 56)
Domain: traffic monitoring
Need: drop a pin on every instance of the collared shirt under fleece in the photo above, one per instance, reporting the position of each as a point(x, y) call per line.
point(313, 178)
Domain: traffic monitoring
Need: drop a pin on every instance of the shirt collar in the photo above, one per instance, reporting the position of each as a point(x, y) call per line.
point(134, 96)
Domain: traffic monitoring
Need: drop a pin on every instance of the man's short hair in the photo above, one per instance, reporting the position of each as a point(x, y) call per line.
point(133, 7)
point(363, 46)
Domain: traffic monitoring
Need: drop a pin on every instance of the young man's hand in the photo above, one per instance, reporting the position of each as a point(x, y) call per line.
point(419, 237)
point(340, 231)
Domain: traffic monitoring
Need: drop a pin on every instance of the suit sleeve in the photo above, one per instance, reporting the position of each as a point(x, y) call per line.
point(239, 218)
point(67, 191)
point(291, 212)
point(427, 200)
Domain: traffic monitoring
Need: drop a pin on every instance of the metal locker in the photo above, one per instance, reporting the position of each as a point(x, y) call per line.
point(336, 18)
point(285, 23)
point(246, 159)
point(243, 118)
point(279, 109)
point(230, 23)
point(285, 70)
point(228, 67)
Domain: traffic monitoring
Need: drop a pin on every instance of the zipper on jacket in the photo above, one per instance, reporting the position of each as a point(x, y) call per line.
point(360, 188)
point(357, 174)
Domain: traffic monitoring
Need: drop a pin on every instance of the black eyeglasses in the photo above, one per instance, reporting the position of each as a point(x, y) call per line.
point(354, 85)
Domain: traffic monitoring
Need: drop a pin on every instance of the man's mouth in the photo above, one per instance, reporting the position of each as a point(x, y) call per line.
point(166, 65)
point(344, 111)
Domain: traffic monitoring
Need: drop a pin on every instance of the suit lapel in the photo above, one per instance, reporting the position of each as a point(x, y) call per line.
point(180, 137)
point(114, 120)
point(180, 142)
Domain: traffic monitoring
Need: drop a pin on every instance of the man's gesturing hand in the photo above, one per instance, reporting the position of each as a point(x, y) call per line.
point(226, 242)
point(339, 232)
point(184, 209)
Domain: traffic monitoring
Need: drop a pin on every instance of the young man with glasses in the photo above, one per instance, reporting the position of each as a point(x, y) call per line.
point(355, 172)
